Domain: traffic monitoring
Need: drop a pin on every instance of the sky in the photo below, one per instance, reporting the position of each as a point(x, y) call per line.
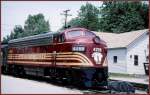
point(16, 12)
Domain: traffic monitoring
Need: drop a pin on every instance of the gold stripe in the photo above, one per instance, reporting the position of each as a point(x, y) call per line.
point(29, 62)
point(56, 59)
point(58, 63)
point(65, 58)
point(70, 59)
point(72, 53)
point(71, 64)
point(68, 56)
point(82, 57)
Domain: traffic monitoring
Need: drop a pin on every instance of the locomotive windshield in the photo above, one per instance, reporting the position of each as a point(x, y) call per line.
point(76, 33)
point(89, 34)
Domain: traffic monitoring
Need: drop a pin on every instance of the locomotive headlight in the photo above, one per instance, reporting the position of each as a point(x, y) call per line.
point(78, 48)
point(97, 40)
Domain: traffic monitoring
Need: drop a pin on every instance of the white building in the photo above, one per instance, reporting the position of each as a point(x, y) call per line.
point(127, 51)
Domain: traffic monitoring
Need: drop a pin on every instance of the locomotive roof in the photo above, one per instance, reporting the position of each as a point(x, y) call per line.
point(45, 35)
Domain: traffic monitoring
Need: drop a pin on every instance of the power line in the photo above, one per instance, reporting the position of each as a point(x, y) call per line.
point(66, 15)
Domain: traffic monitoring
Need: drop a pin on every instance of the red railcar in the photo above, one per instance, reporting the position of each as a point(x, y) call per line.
point(74, 55)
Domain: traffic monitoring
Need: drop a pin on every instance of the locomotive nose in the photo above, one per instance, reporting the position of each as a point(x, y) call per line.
point(84, 40)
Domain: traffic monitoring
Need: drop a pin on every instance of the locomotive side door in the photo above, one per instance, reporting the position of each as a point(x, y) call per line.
point(57, 39)
point(54, 52)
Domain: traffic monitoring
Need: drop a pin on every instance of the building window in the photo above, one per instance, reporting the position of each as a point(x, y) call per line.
point(115, 59)
point(136, 60)
point(130, 56)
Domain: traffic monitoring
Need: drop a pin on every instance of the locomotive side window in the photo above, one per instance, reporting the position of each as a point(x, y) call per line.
point(61, 39)
point(55, 39)
point(89, 34)
point(74, 34)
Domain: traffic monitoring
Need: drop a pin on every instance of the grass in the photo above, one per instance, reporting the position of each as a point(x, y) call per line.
point(124, 75)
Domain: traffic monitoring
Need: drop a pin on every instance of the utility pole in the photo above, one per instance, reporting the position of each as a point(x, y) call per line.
point(66, 14)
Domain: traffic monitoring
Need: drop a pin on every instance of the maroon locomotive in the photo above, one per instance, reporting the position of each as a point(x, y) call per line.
point(74, 55)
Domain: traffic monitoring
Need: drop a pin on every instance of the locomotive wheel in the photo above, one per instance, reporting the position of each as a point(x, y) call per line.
point(77, 78)
point(100, 76)
point(21, 71)
point(15, 70)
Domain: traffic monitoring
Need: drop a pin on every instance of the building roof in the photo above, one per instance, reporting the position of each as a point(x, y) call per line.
point(121, 40)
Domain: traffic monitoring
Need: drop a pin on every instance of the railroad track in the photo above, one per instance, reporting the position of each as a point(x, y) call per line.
point(139, 88)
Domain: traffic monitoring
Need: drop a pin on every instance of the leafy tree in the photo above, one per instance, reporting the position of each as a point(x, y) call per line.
point(16, 33)
point(75, 22)
point(87, 17)
point(36, 24)
point(6, 39)
point(123, 16)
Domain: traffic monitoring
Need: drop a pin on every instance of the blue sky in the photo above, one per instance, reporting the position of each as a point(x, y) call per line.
point(16, 12)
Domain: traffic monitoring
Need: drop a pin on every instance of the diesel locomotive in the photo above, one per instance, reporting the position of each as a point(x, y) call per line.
point(74, 55)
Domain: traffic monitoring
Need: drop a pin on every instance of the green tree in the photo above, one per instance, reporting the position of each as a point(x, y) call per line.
point(123, 16)
point(18, 32)
point(87, 17)
point(75, 22)
point(36, 24)
point(6, 39)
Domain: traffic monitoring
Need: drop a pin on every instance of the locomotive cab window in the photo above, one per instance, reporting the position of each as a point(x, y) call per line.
point(61, 38)
point(55, 38)
point(72, 34)
point(89, 34)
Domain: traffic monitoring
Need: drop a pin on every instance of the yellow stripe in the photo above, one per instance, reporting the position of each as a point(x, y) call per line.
point(69, 58)
point(72, 64)
point(58, 63)
point(56, 59)
point(77, 53)
point(29, 62)
point(67, 55)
